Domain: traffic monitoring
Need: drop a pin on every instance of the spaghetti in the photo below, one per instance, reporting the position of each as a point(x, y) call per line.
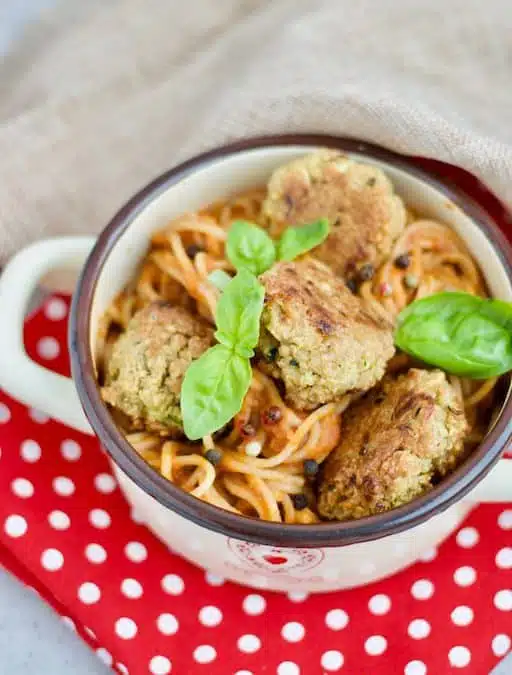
point(261, 455)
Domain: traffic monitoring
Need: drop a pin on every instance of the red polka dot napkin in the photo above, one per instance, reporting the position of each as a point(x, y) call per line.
point(66, 531)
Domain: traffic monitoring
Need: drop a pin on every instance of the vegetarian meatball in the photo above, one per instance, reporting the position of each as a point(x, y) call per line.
point(317, 337)
point(365, 215)
point(148, 363)
point(396, 443)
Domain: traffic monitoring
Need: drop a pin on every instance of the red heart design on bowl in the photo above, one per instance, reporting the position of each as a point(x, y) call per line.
point(275, 559)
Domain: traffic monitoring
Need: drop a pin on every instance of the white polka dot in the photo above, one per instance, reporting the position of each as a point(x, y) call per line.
point(336, 619)
point(131, 588)
point(48, 348)
point(126, 628)
point(375, 645)
point(332, 660)
point(505, 519)
point(59, 520)
point(462, 615)
point(500, 644)
point(423, 589)
point(467, 537)
point(167, 624)
point(379, 604)
point(63, 486)
point(503, 600)
point(160, 665)
point(419, 629)
point(5, 413)
point(95, 553)
point(288, 668)
point(99, 518)
point(243, 672)
point(297, 596)
point(105, 656)
point(293, 631)
point(173, 584)
point(22, 488)
point(465, 576)
point(210, 616)
point(254, 604)
point(249, 644)
point(504, 558)
point(89, 593)
point(415, 668)
point(70, 450)
point(38, 416)
point(459, 657)
point(52, 559)
point(55, 309)
point(204, 654)
point(214, 579)
point(15, 526)
point(427, 556)
point(30, 451)
point(105, 483)
point(122, 668)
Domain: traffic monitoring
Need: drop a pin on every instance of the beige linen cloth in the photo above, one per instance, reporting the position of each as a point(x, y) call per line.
point(99, 97)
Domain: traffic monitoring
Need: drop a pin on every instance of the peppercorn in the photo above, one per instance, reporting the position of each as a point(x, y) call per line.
point(247, 429)
point(402, 261)
point(300, 501)
point(294, 363)
point(272, 415)
point(366, 272)
point(213, 456)
point(351, 284)
point(311, 467)
point(193, 250)
point(411, 281)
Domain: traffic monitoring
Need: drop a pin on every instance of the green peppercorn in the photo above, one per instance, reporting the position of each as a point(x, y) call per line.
point(351, 285)
point(411, 281)
point(366, 272)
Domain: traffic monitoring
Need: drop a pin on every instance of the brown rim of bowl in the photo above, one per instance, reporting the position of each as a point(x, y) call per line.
point(451, 489)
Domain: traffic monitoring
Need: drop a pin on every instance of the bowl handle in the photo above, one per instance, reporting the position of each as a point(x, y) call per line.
point(496, 486)
point(21, 377)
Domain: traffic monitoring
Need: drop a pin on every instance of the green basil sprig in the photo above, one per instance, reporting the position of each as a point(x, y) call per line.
point(216, 383)
point(458, 332)
point(250, 247)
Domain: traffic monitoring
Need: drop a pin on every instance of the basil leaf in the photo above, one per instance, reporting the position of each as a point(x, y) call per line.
point(249, 247)
point(213, 391)
point(219, 279)
point(238, 314)
point(460, 333)
point(298, 240)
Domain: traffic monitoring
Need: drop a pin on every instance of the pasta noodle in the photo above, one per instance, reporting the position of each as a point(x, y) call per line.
point(263, 485)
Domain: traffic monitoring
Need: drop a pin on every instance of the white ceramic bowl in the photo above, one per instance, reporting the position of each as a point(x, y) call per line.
point(260, 554)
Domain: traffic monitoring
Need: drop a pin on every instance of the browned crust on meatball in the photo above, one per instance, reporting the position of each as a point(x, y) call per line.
point(365, 215)
point(317, 337)
point(396, 443)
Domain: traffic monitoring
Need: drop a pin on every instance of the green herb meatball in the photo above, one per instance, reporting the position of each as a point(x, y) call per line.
point(396, 443)
point(364, 213)
point(148, 363)
point(321, 340)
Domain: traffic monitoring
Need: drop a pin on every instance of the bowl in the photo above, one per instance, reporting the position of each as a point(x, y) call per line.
point(282, 557)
